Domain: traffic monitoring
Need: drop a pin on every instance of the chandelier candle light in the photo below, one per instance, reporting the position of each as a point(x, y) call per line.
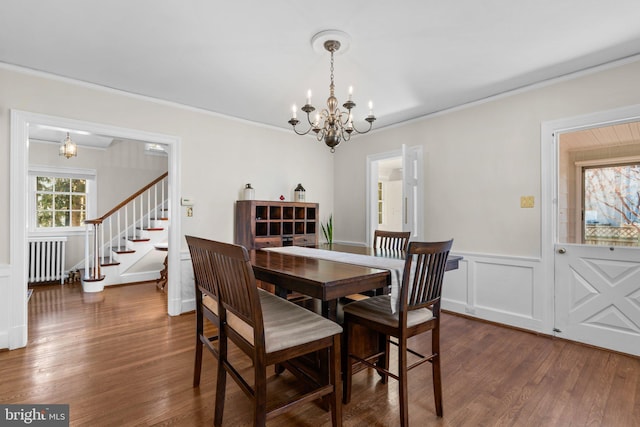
point(331, 124)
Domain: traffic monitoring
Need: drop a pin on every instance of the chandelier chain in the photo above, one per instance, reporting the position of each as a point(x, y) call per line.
point(332, 69)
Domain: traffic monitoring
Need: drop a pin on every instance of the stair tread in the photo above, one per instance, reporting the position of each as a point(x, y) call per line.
point(123, 250)
point(107, 264)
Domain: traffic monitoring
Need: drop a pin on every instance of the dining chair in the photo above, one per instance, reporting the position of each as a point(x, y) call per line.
point(207, 303)
point(391, 240)
point(416, 311)
point(385, 241)
point(271, 331)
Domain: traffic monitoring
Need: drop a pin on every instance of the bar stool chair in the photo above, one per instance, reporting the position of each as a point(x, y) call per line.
point(416, 311)
point(206, 301)
point(385, 241)
point(270, 330)
point(391, 240)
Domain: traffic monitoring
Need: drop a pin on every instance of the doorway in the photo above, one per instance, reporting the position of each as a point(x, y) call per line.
point(389, 195)
point(596, 272)
point(20, 123)
point(395, 198)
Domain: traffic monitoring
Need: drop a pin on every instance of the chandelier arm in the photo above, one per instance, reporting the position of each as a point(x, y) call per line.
point(309, 120)
point(339, 115)
point(346, 136)
point(324, 115)
point(356, 130)
point(301, 133)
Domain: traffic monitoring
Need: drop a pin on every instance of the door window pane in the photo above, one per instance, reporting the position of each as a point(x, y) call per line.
point(612, 205)
point(598, 185)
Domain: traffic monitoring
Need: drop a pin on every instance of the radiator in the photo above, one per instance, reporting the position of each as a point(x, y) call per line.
point(46, 259)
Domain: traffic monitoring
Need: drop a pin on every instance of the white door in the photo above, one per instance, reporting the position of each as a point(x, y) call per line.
point(598, 296)
point(412, 185)
point(597, 247)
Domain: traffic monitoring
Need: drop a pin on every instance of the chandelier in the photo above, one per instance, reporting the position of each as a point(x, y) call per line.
point(68, 148)
point(331, 124)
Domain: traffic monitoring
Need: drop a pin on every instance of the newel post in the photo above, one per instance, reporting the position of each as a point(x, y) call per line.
point(92, 261)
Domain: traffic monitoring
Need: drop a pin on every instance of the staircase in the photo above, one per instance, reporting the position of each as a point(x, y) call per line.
point(120, 246)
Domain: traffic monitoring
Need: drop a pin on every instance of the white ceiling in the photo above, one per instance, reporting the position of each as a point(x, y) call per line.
point(594, 138)
point(254, 59)
point(55, 134)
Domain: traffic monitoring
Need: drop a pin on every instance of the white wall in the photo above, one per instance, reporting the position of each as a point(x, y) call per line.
point(219, 155)
point(479, 160)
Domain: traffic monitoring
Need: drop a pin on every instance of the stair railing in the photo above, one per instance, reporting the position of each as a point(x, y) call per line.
point(128, 216)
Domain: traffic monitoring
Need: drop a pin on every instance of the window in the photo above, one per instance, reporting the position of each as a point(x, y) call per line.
point(612, 204)
point(60, 199)
point(60, 202)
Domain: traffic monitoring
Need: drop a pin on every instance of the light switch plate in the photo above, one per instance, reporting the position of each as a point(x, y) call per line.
point(526, 201)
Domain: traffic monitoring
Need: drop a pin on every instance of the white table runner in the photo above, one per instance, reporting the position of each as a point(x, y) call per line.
point(394, 265)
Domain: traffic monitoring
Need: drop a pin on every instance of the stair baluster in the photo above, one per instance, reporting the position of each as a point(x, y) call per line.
point(95, 241)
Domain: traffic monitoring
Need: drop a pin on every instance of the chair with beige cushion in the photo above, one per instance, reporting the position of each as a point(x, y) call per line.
point(206, 301)
point(269, 330)
point(417, 310)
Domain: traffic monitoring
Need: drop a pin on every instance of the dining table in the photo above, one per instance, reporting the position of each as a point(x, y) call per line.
point(328, 273)
point(328, 280)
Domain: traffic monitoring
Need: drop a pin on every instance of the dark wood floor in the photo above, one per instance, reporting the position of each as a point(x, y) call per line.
point(119, 360)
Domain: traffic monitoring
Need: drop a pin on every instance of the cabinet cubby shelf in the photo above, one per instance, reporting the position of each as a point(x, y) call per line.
point(262, 224)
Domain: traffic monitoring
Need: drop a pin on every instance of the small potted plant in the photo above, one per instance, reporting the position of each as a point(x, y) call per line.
point(327, 230)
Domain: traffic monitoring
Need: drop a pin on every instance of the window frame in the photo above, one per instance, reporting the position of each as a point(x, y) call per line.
point(90, 175)
point(580, 166)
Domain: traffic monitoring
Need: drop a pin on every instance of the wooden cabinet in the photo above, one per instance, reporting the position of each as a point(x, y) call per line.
point(261, 224)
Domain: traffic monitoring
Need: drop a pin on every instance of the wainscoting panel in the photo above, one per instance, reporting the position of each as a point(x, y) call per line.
point(455, 289)
point(497, 288)
point(504, 288)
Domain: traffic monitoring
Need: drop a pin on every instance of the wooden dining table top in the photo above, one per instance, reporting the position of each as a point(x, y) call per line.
point(323, 279)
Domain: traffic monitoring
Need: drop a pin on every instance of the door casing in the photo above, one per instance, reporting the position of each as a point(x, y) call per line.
point(20, 122)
